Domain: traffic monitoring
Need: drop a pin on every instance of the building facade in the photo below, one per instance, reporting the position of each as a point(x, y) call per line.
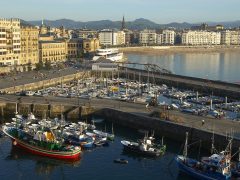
point(10, 42)
point(168, 37)
point(120, 38)
point(53, 51)
point(90, 45)
point(148, 37)
point(201, 38)
point(74, 48)
point(29, 45)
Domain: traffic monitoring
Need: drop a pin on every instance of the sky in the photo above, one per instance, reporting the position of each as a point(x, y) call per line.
point(159, 11)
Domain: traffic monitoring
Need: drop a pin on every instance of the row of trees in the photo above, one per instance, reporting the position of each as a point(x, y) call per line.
point(41, 65)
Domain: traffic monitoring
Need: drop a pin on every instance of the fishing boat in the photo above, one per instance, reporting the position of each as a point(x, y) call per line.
point(144, 147)
point(51, 149)
point(85, 143)
point(104, 134)
point(199, 170)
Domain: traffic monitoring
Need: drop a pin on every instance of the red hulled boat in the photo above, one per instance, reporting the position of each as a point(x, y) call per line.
point(43, 148)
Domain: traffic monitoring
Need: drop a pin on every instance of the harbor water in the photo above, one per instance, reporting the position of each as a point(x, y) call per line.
point(95, 164)
point(214, 66)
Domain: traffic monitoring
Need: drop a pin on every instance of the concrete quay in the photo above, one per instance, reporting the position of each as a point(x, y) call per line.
point(132, 115)
point(219, 88)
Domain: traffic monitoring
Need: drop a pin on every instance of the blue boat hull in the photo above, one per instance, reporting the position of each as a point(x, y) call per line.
point(198, 174)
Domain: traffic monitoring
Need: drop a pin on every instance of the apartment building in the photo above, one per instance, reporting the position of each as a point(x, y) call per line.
point(201, 38)
point(168, 37)
point(111, 37)
point(230, 37)
point(10, 42)
point(53, 51)
point(29, 45)
point(148, 37)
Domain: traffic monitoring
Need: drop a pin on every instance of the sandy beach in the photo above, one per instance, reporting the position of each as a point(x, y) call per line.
point(162, 50)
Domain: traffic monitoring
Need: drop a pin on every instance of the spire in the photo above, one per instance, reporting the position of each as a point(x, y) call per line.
point(42, 21)
point(123, 23)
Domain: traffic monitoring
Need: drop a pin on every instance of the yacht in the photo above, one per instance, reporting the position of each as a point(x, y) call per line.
point(111, 54)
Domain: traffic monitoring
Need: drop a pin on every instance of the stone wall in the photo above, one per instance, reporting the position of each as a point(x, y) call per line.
point(165, 128)
point(45, 83)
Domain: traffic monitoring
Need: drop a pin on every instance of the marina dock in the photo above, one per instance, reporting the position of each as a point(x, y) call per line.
point(131, 114)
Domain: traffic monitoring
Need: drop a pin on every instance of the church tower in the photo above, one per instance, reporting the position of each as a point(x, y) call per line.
point(123, 24)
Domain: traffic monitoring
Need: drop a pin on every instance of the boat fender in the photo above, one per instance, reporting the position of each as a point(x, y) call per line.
point(14, 143)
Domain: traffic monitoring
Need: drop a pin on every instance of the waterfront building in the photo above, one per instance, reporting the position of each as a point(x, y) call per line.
point(201, 38)
point(111, 37)
point(120, 38)
point(10, 42)
point(148, 37)
point(230, 37)
point(74, 48)
point(29, 45)
point(53, 51)
point(226, 37)
point(168, 37)
point(159, 39)
point(77, 47)
point(107, 37)
point(90, 45)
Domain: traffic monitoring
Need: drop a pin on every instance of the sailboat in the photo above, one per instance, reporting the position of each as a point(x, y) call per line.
point(200, 170)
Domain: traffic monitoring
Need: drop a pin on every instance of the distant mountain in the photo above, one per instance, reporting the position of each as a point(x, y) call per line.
point(137, 24)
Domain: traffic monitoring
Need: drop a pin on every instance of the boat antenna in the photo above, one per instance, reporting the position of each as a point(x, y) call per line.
point(213, 148)
point(185, 146)
point(238, 154)
point(16, 108)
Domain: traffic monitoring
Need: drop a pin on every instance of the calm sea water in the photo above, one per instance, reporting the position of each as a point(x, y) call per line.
point(215, 66)
point(96, 164)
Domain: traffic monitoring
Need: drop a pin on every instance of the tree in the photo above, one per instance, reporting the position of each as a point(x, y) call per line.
point(29, 67)
point(48, 65)
point(39, 66)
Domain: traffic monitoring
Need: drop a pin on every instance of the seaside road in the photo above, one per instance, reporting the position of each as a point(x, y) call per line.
point(220, 126)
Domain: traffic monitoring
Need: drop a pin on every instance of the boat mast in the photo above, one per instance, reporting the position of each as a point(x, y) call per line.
point(185, 146)
point(112, 129)
point(213, 148)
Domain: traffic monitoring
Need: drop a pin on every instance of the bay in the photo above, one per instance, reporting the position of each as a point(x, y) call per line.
point(215, 66)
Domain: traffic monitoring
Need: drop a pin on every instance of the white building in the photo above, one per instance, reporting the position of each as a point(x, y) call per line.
point(201, 38)
point(168, 37)
point(159, 39)
point(230, 37)
point(10, 42)
point(148, 37)
point(111, 37)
